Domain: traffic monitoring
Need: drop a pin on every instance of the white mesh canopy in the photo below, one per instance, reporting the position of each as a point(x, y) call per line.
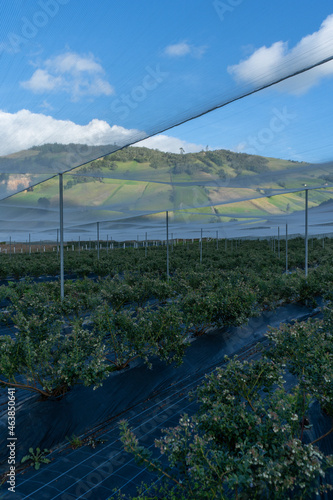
point(80, 81)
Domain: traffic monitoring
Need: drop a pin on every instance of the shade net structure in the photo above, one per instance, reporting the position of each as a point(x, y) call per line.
point(80, 82)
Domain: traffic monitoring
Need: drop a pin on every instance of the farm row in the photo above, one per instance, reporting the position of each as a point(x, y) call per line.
point(129, 310)
point(103, 324)
point(228, 255)
point(254, 435)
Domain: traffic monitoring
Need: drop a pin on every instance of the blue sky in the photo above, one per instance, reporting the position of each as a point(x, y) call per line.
point(102, 72)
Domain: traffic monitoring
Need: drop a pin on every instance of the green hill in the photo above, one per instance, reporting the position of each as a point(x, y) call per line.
point(150, 180)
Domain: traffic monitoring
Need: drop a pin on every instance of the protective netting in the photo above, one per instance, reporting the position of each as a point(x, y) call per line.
point(81, 81)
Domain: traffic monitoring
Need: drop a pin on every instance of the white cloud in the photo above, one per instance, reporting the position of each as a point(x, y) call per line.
point(73, 63)
point(241, 147)
point(45, 105)
point(43, 81)
point(169, 144)
point(184, 49)
point(268, 64)
point(179, 49)
point(22, 130)
point(71, 73)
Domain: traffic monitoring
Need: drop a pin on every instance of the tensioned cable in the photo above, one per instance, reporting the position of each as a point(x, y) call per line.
point(230, 101)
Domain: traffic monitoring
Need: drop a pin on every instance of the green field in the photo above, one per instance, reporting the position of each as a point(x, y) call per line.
point(143, 180)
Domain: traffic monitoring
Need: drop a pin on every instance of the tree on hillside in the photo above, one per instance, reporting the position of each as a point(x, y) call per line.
point(43, 202)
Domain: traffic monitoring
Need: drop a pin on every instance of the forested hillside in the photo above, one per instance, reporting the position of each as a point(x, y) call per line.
point(151, 180)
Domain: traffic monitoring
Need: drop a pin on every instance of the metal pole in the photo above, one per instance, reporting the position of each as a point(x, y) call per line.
point(279, 241)
point(10, 246)
point(29, 243)
point(146, 246)
point(306, 232)
point(201, 246)
point(167, 238)
point(286, 248)
point(61, 210)
point(98, 240)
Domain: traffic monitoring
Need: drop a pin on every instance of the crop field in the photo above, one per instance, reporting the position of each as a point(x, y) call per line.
point(146, 179)
point(122, 312)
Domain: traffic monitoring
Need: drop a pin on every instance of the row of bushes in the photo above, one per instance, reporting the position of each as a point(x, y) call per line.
point(255, 255)
point(250, 436)
point(131, 316)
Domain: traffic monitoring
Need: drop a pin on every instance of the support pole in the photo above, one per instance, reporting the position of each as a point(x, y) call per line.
point(201, 246)
point(79, 245)
point(98, 240)
point(217, 240)
point(279, 241)
point(146, 242)
point(167, 241)
point(29, 243)
point(286, 248)
point(107, 244)
point(10, 246)
point(61, 211)
point(306, 233)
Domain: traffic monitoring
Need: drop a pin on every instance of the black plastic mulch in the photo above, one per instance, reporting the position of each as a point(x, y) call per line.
point(97, 473)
